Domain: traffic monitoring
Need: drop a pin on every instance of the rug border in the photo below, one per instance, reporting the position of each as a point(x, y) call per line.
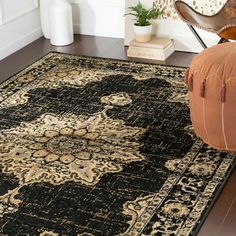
point(121, 60)
point(8, 78)
point(85, 56)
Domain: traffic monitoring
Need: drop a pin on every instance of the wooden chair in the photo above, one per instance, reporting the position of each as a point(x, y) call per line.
point(223, 23)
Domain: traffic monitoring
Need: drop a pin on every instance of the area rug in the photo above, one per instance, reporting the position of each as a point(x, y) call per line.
point(99, 147)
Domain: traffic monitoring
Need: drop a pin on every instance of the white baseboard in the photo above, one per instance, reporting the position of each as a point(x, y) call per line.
point(105, 32)
point(104, 3)
point(20, 43)
point(191, 44)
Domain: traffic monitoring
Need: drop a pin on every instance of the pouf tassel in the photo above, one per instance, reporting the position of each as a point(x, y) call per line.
point(186, 77)
point(223, 93)
point(203, 88)
point(190, 83)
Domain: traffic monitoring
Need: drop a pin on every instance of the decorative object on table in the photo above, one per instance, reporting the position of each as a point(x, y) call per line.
point(85, 138)
point(44, 17)
point(211, 80)
point(61, 24)
point(143, 18)
point(155, 49)
point(223, 23)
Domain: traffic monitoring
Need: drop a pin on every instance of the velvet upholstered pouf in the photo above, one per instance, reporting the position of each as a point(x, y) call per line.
point(211, 81)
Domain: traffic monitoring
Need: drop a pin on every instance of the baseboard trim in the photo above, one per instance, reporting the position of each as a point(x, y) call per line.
point(191, 44)
point(105, 3)
point(20, 43)
point(82, 29)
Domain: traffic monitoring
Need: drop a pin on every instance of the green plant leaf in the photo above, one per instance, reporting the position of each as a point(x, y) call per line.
point(143, 16)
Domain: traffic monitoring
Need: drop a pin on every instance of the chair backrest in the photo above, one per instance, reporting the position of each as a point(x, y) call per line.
point(222, 23)
point(229, 11)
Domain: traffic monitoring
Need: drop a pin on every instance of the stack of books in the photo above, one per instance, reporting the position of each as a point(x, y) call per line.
point(156, 49)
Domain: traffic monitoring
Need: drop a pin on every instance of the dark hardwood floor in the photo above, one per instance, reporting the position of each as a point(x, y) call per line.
point(83, 45)
point(221, 220)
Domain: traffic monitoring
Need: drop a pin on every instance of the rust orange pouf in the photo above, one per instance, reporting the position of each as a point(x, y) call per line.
point(211, 81)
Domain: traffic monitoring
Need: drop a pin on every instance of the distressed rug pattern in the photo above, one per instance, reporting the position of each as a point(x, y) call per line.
point(99, 147)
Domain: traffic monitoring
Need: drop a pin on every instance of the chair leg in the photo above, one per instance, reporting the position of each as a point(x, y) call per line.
point(222, 40)
point(197, 36)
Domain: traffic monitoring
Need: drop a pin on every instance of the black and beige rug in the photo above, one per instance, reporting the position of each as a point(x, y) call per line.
point(98, 147)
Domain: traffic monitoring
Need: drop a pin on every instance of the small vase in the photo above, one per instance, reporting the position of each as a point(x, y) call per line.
point(142, 34)
point(61, 25)
point(44, 7)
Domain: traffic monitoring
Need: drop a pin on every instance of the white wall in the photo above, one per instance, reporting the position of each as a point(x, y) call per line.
point(91, 17)
point(99, 17)
point(95, 17)
point(176, 29)
point(20, 30)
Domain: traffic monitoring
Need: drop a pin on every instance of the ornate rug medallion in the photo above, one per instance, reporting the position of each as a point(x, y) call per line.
point(96, 147)
point(69, 148)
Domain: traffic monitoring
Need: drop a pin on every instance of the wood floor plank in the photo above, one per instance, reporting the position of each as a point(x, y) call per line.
point(214, 221)
point(228, 225)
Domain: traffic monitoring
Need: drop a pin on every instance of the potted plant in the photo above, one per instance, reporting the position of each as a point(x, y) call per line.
point(143, 20)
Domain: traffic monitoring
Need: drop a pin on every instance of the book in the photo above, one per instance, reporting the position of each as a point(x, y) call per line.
point(150, 53)
point(155, 42)
point(144, 49)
